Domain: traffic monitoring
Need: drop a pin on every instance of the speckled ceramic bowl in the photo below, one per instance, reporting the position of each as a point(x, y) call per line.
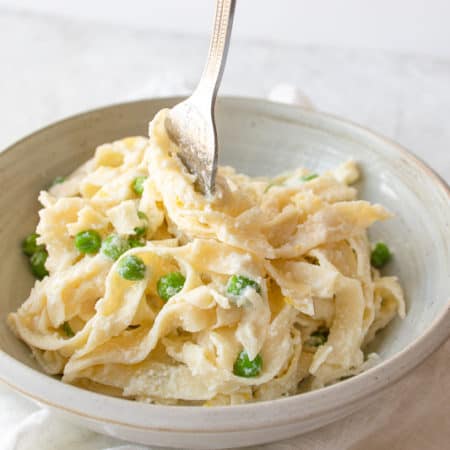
point(257, 137)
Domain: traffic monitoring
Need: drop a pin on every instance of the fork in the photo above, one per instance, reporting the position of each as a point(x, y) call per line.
point(191, 123)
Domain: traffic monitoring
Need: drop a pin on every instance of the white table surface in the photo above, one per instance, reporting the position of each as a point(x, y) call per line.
point(51, 68)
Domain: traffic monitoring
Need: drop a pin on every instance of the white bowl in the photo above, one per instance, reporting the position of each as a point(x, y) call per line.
point(257, 137)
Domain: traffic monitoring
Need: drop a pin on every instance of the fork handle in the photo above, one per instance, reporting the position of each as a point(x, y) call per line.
point(208, 86)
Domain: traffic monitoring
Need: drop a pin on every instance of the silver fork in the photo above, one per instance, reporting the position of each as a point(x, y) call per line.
point(191, 123)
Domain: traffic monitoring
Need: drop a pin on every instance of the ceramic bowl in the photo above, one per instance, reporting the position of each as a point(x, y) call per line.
point(257, 137)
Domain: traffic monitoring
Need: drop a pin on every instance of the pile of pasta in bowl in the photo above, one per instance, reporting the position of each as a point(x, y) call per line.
point(148, 290)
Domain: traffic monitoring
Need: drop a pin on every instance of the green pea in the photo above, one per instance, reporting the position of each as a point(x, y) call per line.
point(318, 337)
point(58, 180)
point(67, 329)
point(308, 177)
point(142, 230)
point(142, 216)
point(88, 241)
point(244, 367)
point(37, 263)
point(138, 185)
point(170, 284)
point(238, 283)
point(131, 268)
point(380, 256)
point(134, 242)
point(30, 246)
point(114, 246)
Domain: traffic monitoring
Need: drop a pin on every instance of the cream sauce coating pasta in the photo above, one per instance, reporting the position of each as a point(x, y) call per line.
point(303, 245)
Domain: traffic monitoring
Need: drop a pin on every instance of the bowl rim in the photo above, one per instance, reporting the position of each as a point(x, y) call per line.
point(235, 418)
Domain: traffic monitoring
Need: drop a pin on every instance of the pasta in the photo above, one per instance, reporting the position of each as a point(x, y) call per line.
point(263, 290)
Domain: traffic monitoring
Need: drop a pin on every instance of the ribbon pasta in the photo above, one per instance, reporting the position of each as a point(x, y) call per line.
point(303, 244)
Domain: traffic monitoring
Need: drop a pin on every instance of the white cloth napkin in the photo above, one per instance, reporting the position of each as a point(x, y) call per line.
point(414, 414)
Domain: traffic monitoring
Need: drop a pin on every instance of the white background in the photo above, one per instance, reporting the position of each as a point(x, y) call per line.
point(413, 26)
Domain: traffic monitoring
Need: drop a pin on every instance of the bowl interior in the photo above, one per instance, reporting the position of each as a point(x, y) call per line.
point(258, 138)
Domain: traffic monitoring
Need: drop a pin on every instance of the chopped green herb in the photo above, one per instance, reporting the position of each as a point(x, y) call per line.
point(238, 283)
point(274, 182)
point(381, 255)
point(37, 263)
point(308, 177)
point(114, 246)
point(138, 185)
point(88, 241)
point(318, 337)
point(132, 327)
point(244, 367)
point(131, 268)
point(170, 284)
point(134, 242)
point(30, 246)
point(140, 231)
point(67, 329)
point(58, 180)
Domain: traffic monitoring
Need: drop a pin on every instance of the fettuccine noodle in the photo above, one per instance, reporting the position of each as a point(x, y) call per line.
point(313, 303)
